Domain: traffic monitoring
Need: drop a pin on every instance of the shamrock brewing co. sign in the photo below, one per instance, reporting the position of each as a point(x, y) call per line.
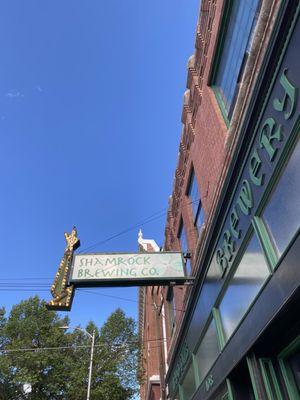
point(128, 269)
point(111, 269)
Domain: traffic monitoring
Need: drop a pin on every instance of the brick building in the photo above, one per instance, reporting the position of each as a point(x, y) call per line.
point(235, 207)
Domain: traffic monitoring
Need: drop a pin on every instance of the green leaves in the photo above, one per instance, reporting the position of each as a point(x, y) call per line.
point(62, 374)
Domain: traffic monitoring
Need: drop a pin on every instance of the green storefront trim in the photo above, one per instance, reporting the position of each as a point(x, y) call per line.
point(263, 362)
point(265, 241)
point(286, 369)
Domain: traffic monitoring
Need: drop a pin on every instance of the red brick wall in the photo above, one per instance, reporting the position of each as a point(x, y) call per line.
point(207, 128)
point(152, 345)
point(202, 146)
point(206, 144)
point(150, 353)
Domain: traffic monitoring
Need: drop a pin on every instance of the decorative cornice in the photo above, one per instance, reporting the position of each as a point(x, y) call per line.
point(192, 99)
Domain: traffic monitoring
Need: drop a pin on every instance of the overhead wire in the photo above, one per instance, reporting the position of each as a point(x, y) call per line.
point(18, 285)
point(123, 298)
point(137, 225)
point(143, 222)
point(24, 279)
point(37, 349)
point(131, 228)
point(82, 290)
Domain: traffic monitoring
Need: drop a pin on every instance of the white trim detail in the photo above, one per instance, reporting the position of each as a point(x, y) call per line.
point(144, 242)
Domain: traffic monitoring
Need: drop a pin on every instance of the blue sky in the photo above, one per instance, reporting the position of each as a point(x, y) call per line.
point(90, 107)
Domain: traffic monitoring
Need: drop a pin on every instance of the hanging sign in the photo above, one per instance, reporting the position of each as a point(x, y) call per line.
point(111, 269)
point(127, 269)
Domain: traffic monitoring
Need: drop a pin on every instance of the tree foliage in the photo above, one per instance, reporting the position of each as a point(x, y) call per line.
point(62, 374)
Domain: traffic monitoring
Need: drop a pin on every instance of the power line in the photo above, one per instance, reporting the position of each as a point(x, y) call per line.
point(123, 298)
point(16, 285)
point(147, 220)
point(25, 279)
point(143, 222)
point(5, 283)
point(108, 295)
point(101, 242)
point(25, 288)
point(81, 290)
point(37, 349)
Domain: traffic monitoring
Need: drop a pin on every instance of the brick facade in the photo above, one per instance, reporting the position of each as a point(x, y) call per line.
point(208, 146)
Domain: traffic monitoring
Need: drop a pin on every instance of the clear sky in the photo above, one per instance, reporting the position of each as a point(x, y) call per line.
point(90, 118)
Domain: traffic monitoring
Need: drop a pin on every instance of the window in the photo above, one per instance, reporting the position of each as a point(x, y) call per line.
point(223, 392)
point(171, 309)
point(182, 237)
point(243, 287)
point(194, 196)
point(184, 246)
point(282, 213)
point(188, 386)
point(208, 351)
point(235, 41)
point(289, 360)
point(212, 284)
point(294, 364)
point(270, 380)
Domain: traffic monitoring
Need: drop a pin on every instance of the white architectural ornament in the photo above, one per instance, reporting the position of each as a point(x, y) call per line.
point(145, 242)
